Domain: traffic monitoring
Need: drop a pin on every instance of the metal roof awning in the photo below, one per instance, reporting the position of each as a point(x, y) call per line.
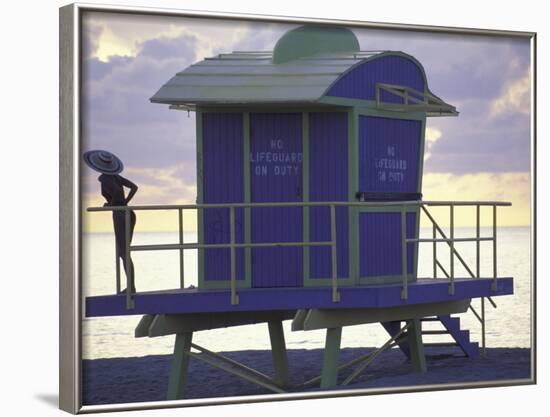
point(251, 78)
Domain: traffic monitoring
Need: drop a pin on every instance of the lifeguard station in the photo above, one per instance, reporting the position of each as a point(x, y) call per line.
point(309, 199)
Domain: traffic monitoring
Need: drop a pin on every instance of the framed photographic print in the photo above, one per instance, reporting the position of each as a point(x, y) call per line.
point(257, 208)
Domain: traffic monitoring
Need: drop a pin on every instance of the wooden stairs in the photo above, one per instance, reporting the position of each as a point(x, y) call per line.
point(451, 326)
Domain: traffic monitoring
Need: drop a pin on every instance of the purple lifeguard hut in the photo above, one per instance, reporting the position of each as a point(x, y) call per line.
point(309, 171)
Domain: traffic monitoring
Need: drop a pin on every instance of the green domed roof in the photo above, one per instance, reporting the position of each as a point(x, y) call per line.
point(313, 40)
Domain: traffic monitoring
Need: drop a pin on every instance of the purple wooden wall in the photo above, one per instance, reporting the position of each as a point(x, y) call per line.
point(276, 176)
point(388, 154)
point(380, 243)
point(360, 82)
point(328, 181)
point(222, 144)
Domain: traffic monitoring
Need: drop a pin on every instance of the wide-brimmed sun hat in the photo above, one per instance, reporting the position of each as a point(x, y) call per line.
point(103, 161)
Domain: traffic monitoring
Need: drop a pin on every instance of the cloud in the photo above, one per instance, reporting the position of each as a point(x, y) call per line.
point(118, 115)
point(514, 98)
point(475, 142)
point(432, 136)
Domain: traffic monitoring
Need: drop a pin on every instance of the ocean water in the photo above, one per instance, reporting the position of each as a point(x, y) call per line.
point(506, 326)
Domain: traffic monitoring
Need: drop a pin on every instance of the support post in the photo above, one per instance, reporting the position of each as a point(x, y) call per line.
point(180, 365)
point(117, 265)
point(182, 273)
point(478, 275)
point(416, 347)
point(278, 352)
point(494, 285)
point(477, 241)
point(329, 375)
point(130, 279)
point(452, 243)
point(434, 247)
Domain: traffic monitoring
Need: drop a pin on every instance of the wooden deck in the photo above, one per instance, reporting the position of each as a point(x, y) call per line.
point(267, 299)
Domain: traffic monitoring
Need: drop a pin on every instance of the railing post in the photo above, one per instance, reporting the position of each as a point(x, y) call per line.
point(478, 275)
point(180, 221)
point(452, 242)
point(335, 293)
point(404, 290)
point(234, 296)
point(477, 241)
point(494, 285)
point(129, 270)
point(434, 234)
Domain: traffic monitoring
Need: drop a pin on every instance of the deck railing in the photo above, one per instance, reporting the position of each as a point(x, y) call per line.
point(403, 205)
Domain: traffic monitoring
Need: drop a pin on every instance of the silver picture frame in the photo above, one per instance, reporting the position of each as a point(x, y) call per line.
point(70, 222)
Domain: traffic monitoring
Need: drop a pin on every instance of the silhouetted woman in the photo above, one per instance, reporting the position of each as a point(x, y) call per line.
point(112, 188)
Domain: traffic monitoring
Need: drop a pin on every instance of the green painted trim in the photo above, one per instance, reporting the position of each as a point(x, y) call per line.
point(305, 195)
point(416, 245)
point(353, 186)
point(327, 282)
point(223, 284)
point(247, 199)
point(421, 154)
point(373, 112)
point(290, 108)
point(315, 319)
point(386, 209)
point(420, 177)
point(368, 108)
point(385, 279)
point(200, 200)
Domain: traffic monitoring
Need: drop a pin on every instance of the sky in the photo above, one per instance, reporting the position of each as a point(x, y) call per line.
point(483, 154)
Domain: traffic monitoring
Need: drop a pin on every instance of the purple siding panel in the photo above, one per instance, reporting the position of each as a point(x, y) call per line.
point(276, 176)
point(388, 154)
point(328, 181)
point(222, 144)
point(359, 83)
point(380, 243)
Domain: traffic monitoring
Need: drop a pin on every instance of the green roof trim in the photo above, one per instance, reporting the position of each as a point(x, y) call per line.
point(307, 41)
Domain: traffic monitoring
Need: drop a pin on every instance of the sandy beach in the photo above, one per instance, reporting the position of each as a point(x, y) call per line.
point(138, 379)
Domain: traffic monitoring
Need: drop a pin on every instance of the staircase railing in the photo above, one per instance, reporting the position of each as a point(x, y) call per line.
point(450, 241)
